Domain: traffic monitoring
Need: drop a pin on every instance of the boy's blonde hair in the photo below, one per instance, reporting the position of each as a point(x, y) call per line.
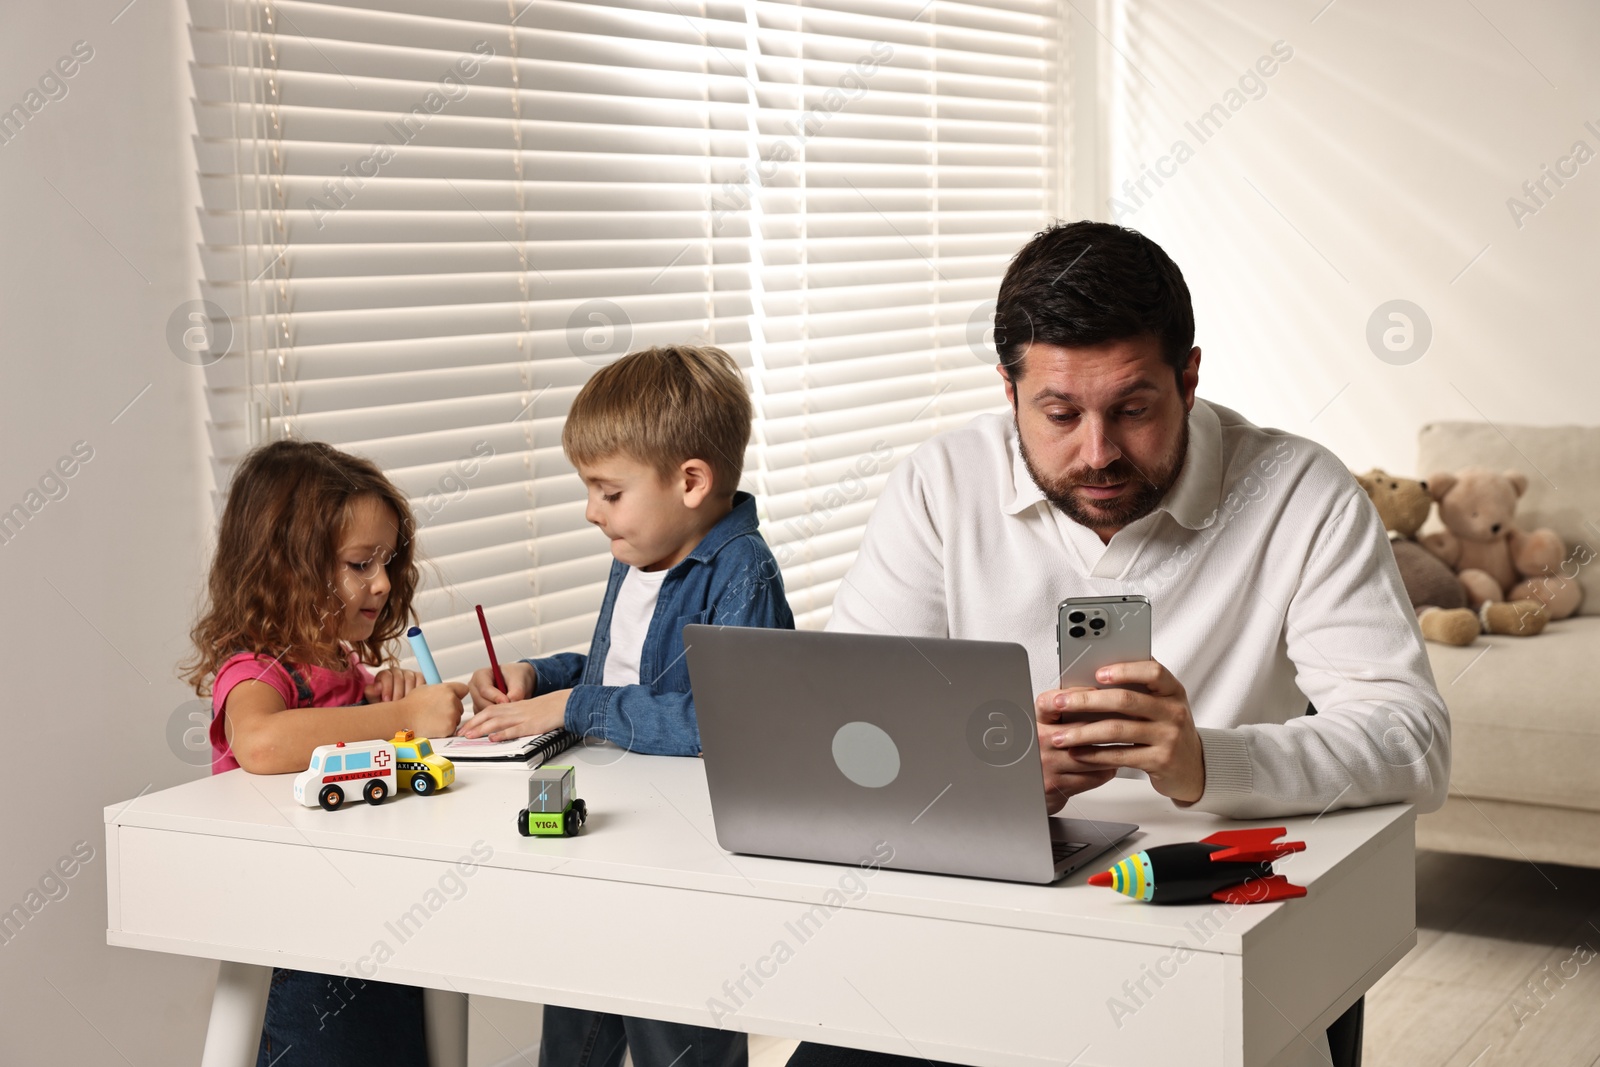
point(662, 406)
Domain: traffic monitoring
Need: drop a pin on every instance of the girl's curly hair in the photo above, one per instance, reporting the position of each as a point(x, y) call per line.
point(271, 587)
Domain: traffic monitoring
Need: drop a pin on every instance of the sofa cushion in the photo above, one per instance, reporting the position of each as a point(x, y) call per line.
point(1563, 487)
point(1525, 715)
point(1536, 832)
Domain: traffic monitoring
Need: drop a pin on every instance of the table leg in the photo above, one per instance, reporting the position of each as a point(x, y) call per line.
point(445, 1017)
point(238, 1008)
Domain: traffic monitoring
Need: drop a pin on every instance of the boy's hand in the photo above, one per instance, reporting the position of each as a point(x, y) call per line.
point(522, 718)
point(519, 678)
point(392, 683)
point(434, 710)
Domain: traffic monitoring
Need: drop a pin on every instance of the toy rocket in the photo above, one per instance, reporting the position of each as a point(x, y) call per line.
point(1233, 866)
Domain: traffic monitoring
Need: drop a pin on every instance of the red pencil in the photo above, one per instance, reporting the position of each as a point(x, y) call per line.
point(499, 679)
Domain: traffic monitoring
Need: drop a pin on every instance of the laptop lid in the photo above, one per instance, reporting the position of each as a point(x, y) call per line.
point(838, 747)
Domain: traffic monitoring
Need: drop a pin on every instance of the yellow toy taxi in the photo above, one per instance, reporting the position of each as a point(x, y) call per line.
point(421, 769)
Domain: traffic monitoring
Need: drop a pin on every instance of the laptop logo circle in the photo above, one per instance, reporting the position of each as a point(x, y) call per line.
point(866, 755)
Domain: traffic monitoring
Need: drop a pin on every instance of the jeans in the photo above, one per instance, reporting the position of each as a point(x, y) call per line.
point(323, 1020)
point(576, 1038)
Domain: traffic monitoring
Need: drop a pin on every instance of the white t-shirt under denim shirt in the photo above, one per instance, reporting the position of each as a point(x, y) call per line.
point(630, 623)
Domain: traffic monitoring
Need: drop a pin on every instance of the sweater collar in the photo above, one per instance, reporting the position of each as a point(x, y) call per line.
point(1193, 499)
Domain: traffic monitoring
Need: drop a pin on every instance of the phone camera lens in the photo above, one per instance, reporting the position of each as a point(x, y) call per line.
point(1097, 623)
point(1076, 616)
point(1076, 631)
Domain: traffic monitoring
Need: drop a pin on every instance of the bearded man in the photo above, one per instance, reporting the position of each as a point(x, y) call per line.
point(1269, 573)
point(1288, 674)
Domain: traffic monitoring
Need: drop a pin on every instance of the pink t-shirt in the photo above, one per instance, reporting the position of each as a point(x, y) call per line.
point(329, 689)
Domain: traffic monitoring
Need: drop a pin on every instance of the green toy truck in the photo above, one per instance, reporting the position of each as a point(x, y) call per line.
point(554, 809)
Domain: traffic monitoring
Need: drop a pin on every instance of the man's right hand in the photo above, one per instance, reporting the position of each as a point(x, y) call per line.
point(519, 679)
point(1064, 776)
point(434, 710)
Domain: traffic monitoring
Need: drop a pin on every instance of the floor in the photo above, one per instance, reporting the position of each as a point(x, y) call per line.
point(770, 1051)
point(1506, 972)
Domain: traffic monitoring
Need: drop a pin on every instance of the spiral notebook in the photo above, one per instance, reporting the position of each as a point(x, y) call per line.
point(531, 751)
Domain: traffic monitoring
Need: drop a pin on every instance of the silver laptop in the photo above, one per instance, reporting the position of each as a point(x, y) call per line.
point(913, 753)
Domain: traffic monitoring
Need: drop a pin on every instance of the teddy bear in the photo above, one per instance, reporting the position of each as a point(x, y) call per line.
point(1494, 560)
point(1438, 598)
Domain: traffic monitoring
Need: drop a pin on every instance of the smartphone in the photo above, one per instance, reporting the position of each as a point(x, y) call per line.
point(1093, 631)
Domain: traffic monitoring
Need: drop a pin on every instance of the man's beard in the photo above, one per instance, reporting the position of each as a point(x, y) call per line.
point(1139, 497)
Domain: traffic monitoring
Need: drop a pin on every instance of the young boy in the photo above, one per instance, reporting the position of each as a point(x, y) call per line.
point(659, 438)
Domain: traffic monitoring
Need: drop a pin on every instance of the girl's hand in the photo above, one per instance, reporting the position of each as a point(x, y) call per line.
point(522, 718)
point(392, 683)
point(434, 710)
point(519, 679)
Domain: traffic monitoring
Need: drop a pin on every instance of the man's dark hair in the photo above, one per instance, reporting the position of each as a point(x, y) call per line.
point(1085, 283)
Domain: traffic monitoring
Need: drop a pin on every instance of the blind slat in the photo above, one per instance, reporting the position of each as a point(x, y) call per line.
point(430, 226)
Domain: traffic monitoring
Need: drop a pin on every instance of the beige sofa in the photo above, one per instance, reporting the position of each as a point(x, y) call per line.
point(1525, 712)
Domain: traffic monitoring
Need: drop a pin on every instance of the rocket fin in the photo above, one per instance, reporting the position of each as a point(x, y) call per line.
point(1251, 846)
point(1260, 891)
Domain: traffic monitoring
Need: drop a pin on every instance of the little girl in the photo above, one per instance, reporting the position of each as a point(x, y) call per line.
point(313, 577)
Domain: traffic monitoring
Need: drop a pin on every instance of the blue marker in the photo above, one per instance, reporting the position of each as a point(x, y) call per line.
point(419, 645)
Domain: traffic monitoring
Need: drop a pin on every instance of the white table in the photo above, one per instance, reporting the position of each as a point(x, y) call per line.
point(644, 914)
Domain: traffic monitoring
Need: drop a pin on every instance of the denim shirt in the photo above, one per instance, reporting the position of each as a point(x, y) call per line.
point(730, 579)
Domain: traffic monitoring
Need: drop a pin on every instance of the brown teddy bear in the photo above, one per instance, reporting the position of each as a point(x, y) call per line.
point(1436, 595)
point(1493, 559)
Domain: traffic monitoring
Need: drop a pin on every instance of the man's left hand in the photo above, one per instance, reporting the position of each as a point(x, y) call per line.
point(1158, 737)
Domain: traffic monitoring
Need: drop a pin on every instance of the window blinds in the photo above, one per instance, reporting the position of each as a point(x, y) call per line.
point(431, 220)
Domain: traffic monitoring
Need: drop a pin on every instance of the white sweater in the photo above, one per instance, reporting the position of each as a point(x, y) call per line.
point(1271, 585)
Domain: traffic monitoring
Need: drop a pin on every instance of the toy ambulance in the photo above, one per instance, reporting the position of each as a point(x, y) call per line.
point(373, 769)
point(554, 809)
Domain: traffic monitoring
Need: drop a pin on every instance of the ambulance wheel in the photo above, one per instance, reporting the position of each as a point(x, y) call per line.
point(376, 791)
point(582, 809)
point(331, 798)
point(421, 784)
point(522, 823)
point(569, 823)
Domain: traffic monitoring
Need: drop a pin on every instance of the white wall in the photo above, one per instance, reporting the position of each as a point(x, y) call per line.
point(1376, 166)
point(1383, 153)
point(97, 587)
